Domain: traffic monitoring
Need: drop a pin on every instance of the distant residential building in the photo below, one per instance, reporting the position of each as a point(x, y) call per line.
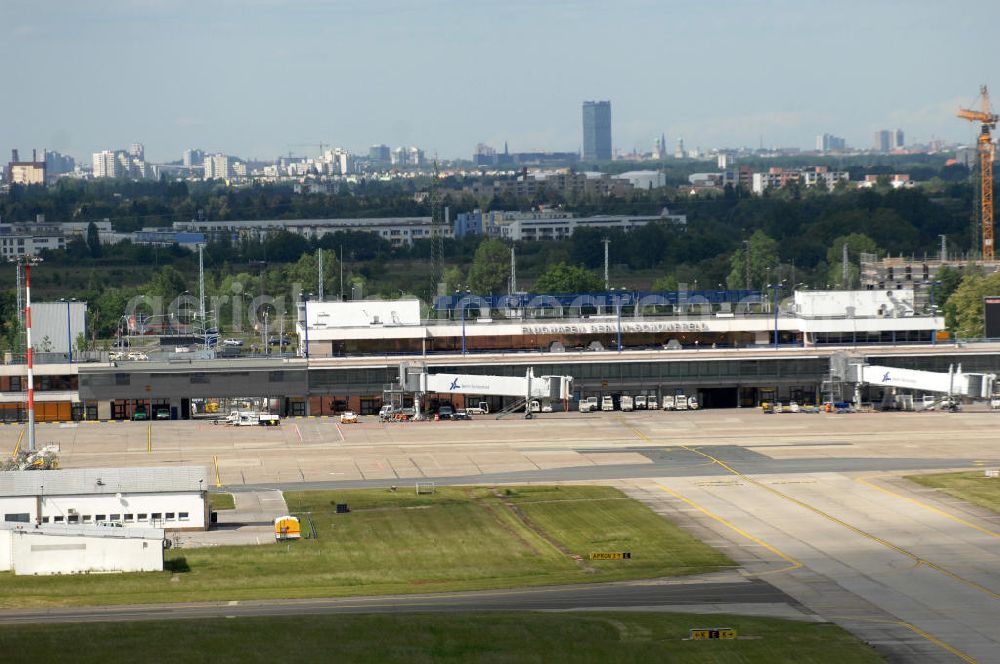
point(895, 180)
point(218, 167)
point(566, 184)
point(380, 155)
point(967, 156)
point(883, 140)
point(541, 227)
point(776, 178)
point(407, 156)
point(484, 155)
point(830, 143)
point(25, 172)
point(193, 157)
point(57, 163)
point(399, 231)
point(107, 164)
point(597, 131)
point(900, 142)
point(137, 151)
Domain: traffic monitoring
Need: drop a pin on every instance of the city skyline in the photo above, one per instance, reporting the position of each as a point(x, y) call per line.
point(446, 76)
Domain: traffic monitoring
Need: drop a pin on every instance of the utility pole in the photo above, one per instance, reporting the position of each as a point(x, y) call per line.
point(319, 259)
point(341, 272)
point(944, 248)
point(607, 282)
point(845, 281)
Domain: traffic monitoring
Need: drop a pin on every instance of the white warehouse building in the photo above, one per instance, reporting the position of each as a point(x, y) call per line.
point(44, 550)
point(167, 498)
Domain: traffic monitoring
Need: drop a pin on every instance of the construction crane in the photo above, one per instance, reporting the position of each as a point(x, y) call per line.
point(985, 147)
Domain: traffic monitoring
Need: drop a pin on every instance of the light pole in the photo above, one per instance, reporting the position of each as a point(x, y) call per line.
point(933, 312)
point(774, 290)
point(305, 322)
point(69, 328)
point(27, 261)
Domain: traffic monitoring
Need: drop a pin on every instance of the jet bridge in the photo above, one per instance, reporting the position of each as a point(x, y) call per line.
point(947, 386)
point(527, 387)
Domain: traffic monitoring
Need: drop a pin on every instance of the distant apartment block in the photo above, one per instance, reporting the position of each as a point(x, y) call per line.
point(107, 165)
point(399, 231)
point(29, 238)
point(380, 155)
point(566, 184)
point(776, 178)
point(597, 131)
point(193, 157)
point(550, 224)
point(830, 143)
point(407, 156)
point(122, 164)
point(218, 167)
point(887, 140)
point(57, 163)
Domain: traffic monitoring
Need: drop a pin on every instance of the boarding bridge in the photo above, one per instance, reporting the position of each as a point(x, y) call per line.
point(946, 386)
point(526, 387)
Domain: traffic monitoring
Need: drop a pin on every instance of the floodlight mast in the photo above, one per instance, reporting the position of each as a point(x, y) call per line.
point(27, 262)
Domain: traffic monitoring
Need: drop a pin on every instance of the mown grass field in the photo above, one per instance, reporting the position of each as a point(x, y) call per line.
point(416, 638)
point(221, 501)
point(972, 486)
point(455, 539)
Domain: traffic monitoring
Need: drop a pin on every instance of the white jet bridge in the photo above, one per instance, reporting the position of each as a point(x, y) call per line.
point(525, 388)
point(946, 386)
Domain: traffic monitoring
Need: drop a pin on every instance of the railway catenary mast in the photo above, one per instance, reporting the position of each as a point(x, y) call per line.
point(985, 147)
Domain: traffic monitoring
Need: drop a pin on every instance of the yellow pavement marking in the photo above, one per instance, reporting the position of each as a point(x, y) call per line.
point(918, 560)
point(930, 508)
point(794, 564)
point(938, 642)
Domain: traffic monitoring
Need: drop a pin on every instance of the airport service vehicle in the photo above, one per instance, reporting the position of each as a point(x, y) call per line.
point(652, 403)
point(461, 414)
point(694, 405)
point(348, 417)
point(482, 409)
point(140, 414)
point(680, 402)
point(626, 403)
point(287, 528)
point(249, 418)
point(535, 406)
point(546, 406)
point(162, 414)
point(640, 402)
point(995, 402)
point(793, 407)
point(668, 402)
point(607, 403)
point(445, 412)
point(386, 413)
point(588, 404)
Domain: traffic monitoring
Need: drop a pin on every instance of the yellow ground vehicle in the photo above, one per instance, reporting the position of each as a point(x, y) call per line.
point(287, 528)
point(212, 407)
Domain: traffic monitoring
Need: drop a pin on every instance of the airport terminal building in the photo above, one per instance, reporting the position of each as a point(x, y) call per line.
point(725, 347)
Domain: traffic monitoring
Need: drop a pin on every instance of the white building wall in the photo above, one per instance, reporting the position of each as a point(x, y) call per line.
point(6, 552)
point(40, 553)
point(58, 510)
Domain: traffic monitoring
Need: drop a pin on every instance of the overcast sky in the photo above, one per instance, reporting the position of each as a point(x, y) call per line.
point(258, 78)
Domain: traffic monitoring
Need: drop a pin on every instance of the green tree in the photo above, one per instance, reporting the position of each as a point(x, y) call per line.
point(763, 256)
point(964, 309)
point(563, 278)
point(490, 267)
point(453, 278)
point(665, 283)
point(857, 244)
point(305, 271)
point(93, 240)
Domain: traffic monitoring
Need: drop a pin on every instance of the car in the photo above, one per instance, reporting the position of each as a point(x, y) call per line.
point(461, 414)
point(136, 356)
point(162, 413)
point(233, 343)
point(182, 349)
point(140, 415)
point(546, 407)
point(348, 417)
point(446, 412)
point(280, 341)
point(114, 356)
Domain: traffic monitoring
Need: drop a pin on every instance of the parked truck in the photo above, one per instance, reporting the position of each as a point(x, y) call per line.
point(640, 402)
point(588, 404)
point(607, 403)
point(626, 403)
point(680, 402)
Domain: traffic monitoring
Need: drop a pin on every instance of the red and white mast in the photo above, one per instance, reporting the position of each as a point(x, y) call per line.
point(27, 262)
